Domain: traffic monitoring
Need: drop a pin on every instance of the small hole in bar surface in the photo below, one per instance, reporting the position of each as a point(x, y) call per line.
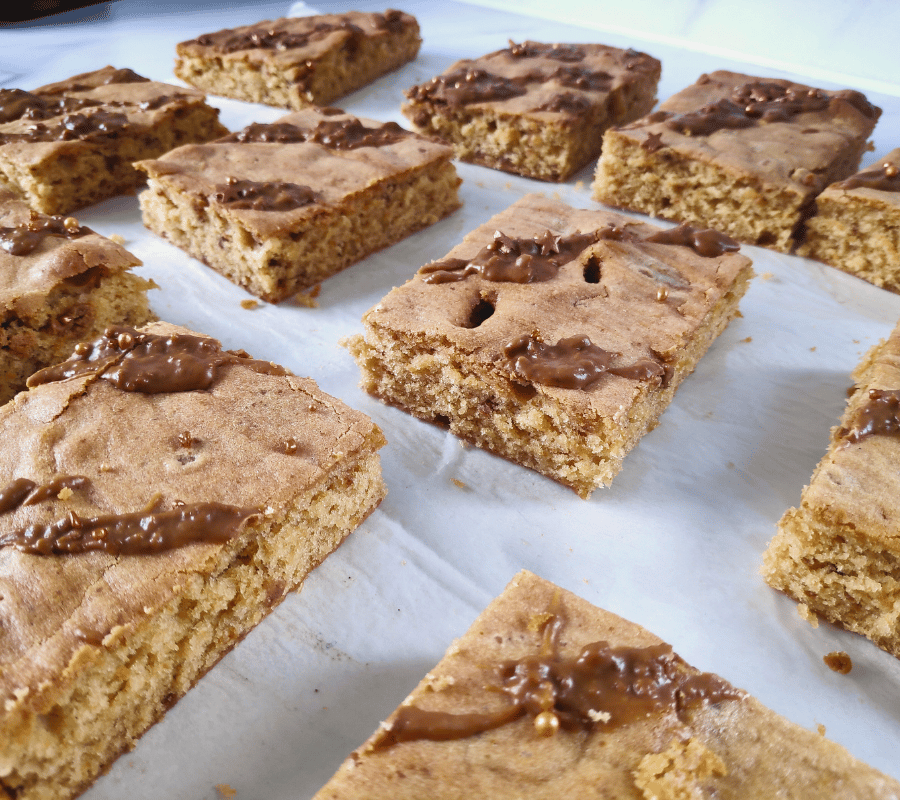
point(592, 270)
point(481, 311)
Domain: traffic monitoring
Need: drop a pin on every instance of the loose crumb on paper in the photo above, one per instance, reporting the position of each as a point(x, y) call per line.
point(839, 662)
point(115, 237)
point(767, 276)
point(747, 340)
point(248, 304)
point(821, 729)
point(804, 611)
point(308, 298)
point(224, 790)
point(458, 483)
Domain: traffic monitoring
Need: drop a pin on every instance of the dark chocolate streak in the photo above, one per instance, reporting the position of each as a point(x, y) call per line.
point(228, 41)
point(466, 85)
point(885, 178)
point(150, 363)
point(76, 126)
point(558, 52)
point(24, 239)
point(878, 416)
point(344, 134)
point(513, 260)
point(566, 103)
point(123, 75)
point(574, 363)
point(584, 79)
point(759, 102)
point(601, 688)
point(256, 196)
point(139, 533)
point(25, 492)
point(705, 242)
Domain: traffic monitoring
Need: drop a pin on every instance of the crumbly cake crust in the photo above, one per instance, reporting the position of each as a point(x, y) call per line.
point(63, 291)
point(94, 647)
point(300, 61)
point(535, 109)
point(436, 350)
point(69, 144)
point(355, 199)
point(838, 553)
point(730, 749)
point(754, 177)
point(857, 228)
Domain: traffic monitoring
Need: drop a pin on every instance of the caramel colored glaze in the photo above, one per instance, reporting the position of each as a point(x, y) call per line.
point(704, 242)
point(228, 41)
point(558, 52)
point(139, 533)
point(513, 260)
point(466, 85)
point(344, 134)
point(573, 363)
point(71, 127)
point(602, 688)
point(24, 239)
point(150, 363)
point(271, 196)
point(878, 416)
point(885, 178)
point(759, 102)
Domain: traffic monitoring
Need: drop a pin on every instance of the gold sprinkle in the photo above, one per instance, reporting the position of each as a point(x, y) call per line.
point(662, 294)
point(248, 304)
point(890, 169)
point(291, 446)
point(71, 224)
point(546, 724)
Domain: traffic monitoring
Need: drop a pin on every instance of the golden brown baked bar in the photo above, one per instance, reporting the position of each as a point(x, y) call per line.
point(856, 225)
point(741, 154)
point(59, 283)
point(277, 208)
point(69, 144)
point(553, 336)
point(535, 109)
point(838, 553)
point(301, 61)
point(158, 497)
point(547, 696)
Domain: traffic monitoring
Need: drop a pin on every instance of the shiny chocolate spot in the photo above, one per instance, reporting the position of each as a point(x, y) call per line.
point(150, 363)
point(270, 196)
point(512, 260)
point(137, 533)
point(566, 103)
point(71, 127)
point(885, 177)
point(348, 134)
point(582, 78)
point(573, 363)
point(558, 52)
point(21, 240)
point(704, 242)
point(878, 416)
point(229, 41)
point(274, 133)
point(466, 85)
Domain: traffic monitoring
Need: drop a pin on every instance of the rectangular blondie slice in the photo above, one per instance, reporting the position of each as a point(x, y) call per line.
point(553, 336)
point(69, 144)
point(276, 208)
point(60, 283)
point(838, 553)
point(535, 109)
point(300, 61)
point(547, 696)
point(856, 225)
point(741, 154)
point(158, 497)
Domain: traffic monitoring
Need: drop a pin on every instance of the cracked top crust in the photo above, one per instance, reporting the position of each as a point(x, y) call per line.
point(26, 280)
point(333, 173)
point(639, 299)
point(806, 151)
point(251, 440)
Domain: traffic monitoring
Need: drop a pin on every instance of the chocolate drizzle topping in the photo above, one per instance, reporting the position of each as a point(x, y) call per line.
point(602, 688)
point(138, 533)
point(885, 178)
point(574, 363)
point(705, 242)
point(466, 85)
point(878, 416)
point(271, 196)
point(343, 134)
point(558, 52)
point(150, 363)
point(758, 102)
point(21, 240)
point(511, 260)
point(96, 125)
point(566, 103)
point(581, 78)
point(229, 41)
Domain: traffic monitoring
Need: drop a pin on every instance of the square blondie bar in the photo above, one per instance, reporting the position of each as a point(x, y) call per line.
point(535, 109)
point(856, 226)
point(277, 208)
point(158, 497)
point(838, 553)
point(553, 336)
point(741, 154)
point(69, 144)
point(60, 283)
point(300, 61)
point(547, 696)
